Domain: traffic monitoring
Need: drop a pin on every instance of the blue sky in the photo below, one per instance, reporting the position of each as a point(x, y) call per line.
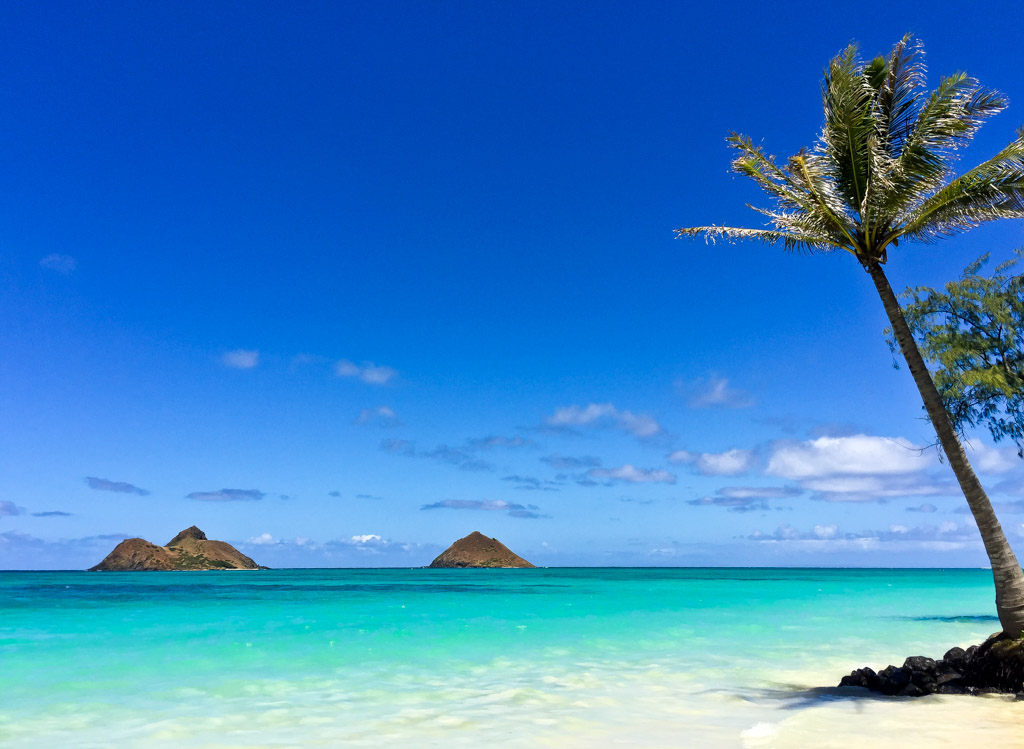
point(342, 282)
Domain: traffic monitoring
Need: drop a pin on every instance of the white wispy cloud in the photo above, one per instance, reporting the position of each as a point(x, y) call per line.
point(989, 459)
point(372, 544)
point(264, 539)
point(859, 454)
point(571, 463)
point(493, 440)
point(367, 538)
point(381, 416)
point(348, 551)
point(9, 509)
point(529, 512)
point(759, 492)
point(241, 358)
point(729, 463)
point(458, 457)
point(746, 498)
point(630, 474)
point(861, 468)
point(604, 415)
point(228, 495)
point(876, 488)
point(732, 504)
point(715, 392)
point(947, 536)
point(63, 264)
point(106, 485)
point(532, 483)
point(848, 468)
point(368, 372)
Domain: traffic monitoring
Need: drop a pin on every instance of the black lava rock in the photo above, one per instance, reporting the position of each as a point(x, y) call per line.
point(919, 663)
point(862, 677)
point(995, 666)
point(893, 680)
point(955, 657)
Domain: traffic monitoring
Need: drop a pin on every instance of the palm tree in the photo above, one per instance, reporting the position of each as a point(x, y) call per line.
point(880, 173)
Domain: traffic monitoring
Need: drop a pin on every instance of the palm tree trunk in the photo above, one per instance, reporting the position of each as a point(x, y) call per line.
point(1006, 570)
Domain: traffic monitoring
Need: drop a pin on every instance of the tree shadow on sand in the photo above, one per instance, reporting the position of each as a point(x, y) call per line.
point(797, 697)
point(963, 619)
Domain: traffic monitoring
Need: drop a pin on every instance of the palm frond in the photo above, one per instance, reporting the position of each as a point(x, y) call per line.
point(847, 97)
point(992, 190)
point(812, 173)
point(790, 241)
point(952, 115)
point(801, 223)
point(947, 122)
point(875, 211)
point(896, 107)
point(806, 204)
point(900, 94)
point(753, 163)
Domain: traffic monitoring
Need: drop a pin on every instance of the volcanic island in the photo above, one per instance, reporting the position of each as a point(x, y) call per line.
point(189, 550)
point(478, 551)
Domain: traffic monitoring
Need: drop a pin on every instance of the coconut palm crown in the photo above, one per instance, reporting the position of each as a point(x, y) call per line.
point(882, 169)
point(880, 172)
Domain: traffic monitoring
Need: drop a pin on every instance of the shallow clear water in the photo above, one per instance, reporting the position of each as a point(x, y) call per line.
point(517, 658)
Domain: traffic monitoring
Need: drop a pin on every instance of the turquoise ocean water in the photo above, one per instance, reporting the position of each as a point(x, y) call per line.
point(514, 658)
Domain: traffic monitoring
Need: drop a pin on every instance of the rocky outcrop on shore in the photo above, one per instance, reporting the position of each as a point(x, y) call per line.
point(189, 550)
point(477, 550)
point(996, 666)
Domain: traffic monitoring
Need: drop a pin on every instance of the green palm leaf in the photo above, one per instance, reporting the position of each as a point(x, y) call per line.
point(882, 168)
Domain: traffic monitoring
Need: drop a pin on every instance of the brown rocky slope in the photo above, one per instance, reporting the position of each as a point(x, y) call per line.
point(477, 550)
point(189, 550)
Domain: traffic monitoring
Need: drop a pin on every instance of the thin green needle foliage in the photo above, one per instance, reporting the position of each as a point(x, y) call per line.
point(971, 334)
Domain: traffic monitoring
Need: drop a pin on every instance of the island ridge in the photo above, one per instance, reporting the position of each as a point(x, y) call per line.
point(189, 550)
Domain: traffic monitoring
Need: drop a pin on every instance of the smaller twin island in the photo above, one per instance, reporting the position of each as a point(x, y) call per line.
point(476, 550)
point(192, 550)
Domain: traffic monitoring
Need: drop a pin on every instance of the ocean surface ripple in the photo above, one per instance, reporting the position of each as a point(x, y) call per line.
point(516, 658)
